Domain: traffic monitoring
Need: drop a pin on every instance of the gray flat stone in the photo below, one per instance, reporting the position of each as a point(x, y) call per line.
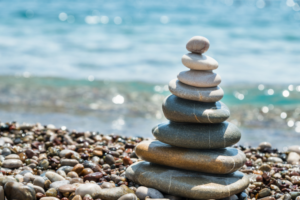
point(182, 110)
point(197, 136)
point(187, 184)
point(210, 94)
point(215, 161)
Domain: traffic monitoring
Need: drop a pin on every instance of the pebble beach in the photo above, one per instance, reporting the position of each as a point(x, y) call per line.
point(49, 163)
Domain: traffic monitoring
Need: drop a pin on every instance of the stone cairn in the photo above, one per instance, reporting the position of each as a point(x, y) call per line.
point(191, 157)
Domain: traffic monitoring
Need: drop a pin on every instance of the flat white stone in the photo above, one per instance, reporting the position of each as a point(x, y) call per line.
point(199, 78)
point(198, 44)
point(199, 62)
point(211, 94)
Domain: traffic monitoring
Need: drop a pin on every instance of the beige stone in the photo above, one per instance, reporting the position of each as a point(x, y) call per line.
point(218, 161)
point(198, 44)
point(189, 184)
point(184, 91)
point(293, 158)
point(199, 78)
point(199, 62)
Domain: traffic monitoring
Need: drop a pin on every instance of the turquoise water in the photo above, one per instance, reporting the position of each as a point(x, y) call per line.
point(105, 65)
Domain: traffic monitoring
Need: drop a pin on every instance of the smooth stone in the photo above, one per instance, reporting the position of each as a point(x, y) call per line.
point(187, 184)
point(275, 160)
point(62, 173)
point(182, 110)
point(129, 196)
point(293, 158)
point(77, 197)
point(93, 177)
point(72, 175)
point(52, 192)
point(171, 197)
point(12, 163)
point(198, 44)
point(66, 169)
point(197, 136)
point(49, 198)
point(57, 184)
point(78, 168)
point(143, 192)
point(76, 180)
point(67, 188)
point(198, 78)
point(295, 148)
point(37, 188)
point(14, 190)
point(211, 94)
point(6, 179)
point(199, 62)
point(88, 188)
point(69, 162)
point(106, 185)
point(64, 152)
point(113, 193)
point(12, 156)
point(217, 161)
point(52, 176)
point(265, 145)
point(2, 197)
point(5, 151)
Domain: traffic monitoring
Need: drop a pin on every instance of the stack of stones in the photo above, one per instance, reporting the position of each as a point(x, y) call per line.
point(191, 157)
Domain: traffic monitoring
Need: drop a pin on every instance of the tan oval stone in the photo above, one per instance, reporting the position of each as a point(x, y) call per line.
point(12, 163)
point(212, 94)
point(218, 161)
point(198, 44)
point(189, 184)
point(199, 62)
point(12, 156)
point(199, 78)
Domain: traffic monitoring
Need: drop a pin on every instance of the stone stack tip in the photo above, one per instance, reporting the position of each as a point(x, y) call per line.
point(192, 156)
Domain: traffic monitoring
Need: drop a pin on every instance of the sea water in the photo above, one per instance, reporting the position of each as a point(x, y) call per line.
point(104, 65)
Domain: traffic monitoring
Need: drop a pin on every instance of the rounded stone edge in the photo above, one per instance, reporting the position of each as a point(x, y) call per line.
point(186, 81)
point(173, 84)
point(174, 114)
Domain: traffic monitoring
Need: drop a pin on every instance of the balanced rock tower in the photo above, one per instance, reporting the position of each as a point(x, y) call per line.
point(192, 156)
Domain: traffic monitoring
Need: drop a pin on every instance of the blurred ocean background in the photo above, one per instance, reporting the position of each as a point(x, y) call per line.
point(104, 65)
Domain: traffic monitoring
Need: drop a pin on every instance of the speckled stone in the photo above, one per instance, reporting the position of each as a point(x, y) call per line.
point(198, 44)
point(211, 94)
point(217, 161)
point(199, 62)
point(12, 163)
point(197, 136)
point(199, 78)
point(183, 110)
point(187, 184)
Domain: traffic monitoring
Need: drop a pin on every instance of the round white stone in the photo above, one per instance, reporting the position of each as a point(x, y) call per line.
point(198, 78)
point(199, 62)
point(198, 44)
